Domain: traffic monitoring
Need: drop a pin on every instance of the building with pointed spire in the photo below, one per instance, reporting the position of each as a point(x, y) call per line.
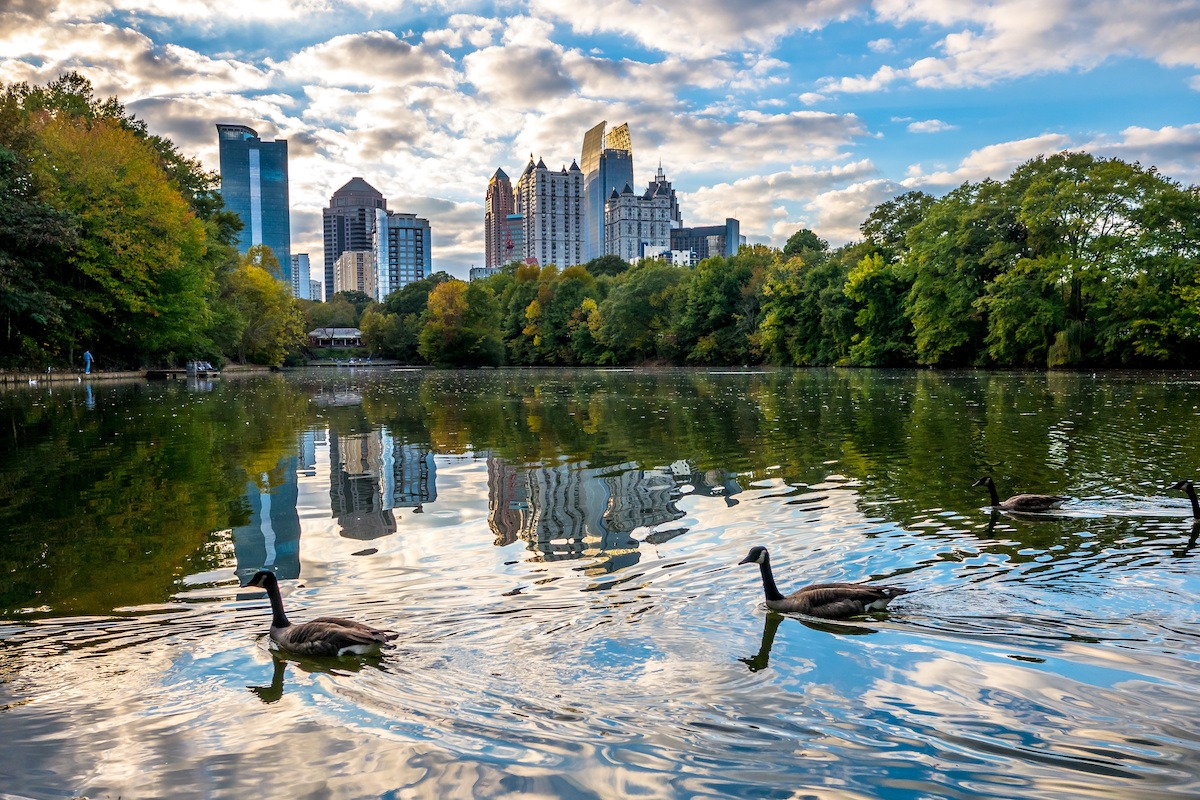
point(639, 225)
point(347, 224)
point(498, 205)
point(607, 164)
point(551, 209)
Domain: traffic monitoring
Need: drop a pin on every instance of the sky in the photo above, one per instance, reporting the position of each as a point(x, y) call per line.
point(785, 114)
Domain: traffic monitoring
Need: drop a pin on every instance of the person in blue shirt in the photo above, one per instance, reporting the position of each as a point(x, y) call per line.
point(87, 362)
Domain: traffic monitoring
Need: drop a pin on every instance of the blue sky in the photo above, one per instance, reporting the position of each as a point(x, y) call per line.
point(782, 113)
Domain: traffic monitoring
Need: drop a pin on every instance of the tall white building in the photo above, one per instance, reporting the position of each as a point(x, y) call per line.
point(639, 225)
point(301, 281)
point(552, 205)
point(400, 248)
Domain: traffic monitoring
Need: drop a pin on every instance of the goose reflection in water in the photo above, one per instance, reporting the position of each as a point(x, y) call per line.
point(762, 659)
point(273, 692)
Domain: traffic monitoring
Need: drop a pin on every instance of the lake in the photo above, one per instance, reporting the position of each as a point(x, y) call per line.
point(558, 551)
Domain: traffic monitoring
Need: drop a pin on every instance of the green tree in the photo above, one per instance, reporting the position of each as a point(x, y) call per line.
point(805, 313)
point(883, 334)
point(636, 315)
point(461, 326)
point(965, 240)
point(718, 311)
point(266, 314)
point(802, 241)
point(607, 265)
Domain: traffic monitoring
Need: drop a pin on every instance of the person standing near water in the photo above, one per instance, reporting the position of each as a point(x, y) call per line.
point(87, 362)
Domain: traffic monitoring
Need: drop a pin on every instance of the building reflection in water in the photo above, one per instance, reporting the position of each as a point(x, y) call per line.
point(568, 512)
point(271, 539)
point(371, 474)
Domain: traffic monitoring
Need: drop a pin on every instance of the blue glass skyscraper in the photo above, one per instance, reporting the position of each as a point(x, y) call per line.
point(254, 185)
point(607, 164)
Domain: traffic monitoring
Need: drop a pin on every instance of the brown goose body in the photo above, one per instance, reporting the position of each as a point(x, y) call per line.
point(324, 636)
point(1027, 503)
point(826, 600)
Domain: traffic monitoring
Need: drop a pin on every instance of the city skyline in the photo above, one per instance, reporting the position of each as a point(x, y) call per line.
point(782, 115)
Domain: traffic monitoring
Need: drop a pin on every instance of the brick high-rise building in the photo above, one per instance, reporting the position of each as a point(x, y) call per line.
point(347, 224)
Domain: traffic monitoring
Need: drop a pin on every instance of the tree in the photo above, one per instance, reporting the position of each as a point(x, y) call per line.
point(965, 240)
point(636, 314)
point(359, 300)
point(883, 334)
point(268, 316)
point(888, 224)
point(804, 240)
point(717, 313)
point(461, 326)
point(393, 328)
point(607, 265)
point(805, 313)
point(138, 275)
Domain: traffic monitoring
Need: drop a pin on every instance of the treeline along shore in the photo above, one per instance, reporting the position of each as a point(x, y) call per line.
point(1073, 261)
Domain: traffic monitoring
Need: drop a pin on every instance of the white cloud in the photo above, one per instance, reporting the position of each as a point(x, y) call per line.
point(812, 98)
point(1175, 151)
point(770, 205)
point(704, 27)
point(837, 214)
point(464, 29)
point(882, 78)
point(366, 59)
point(993, 161)
point(1006, 39)
point(881, 45)
point(931, 126)
point(117, 60)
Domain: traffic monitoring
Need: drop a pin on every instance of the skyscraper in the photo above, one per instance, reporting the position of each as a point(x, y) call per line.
point(354, 271)
point(401, 254)
point(552, 205)
point(497, 206)
point(348, 222)
point(300, 276)
point(639, 226)
point(254, 185)
point(607, 164)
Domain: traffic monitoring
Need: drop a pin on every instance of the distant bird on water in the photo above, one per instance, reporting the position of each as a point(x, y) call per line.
point(324, 636)
point(827, 600)
point(1029, 503)
point(1187, 488)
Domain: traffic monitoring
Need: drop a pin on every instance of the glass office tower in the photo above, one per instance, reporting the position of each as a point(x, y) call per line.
point(254, 185)
point(401, 251)
point(607, 164)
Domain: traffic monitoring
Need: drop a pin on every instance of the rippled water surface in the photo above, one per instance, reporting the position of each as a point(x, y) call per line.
point(558, 551)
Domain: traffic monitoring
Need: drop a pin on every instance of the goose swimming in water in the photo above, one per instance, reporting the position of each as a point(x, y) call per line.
point(827, 600)
point(324, 636)
point(1028, 503)
point(1187, 488)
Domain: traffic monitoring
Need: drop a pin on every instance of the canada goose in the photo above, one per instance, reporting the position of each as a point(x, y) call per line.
point(1029, 503)
point(1190, 490)
point(828, 600)
point(324, 636)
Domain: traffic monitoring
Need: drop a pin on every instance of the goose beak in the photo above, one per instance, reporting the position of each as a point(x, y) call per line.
point(746, 560)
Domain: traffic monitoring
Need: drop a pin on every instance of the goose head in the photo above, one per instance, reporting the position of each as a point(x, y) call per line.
point(757, 555)
point(1181, 486)
point(260, 579)
point(986, 480)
